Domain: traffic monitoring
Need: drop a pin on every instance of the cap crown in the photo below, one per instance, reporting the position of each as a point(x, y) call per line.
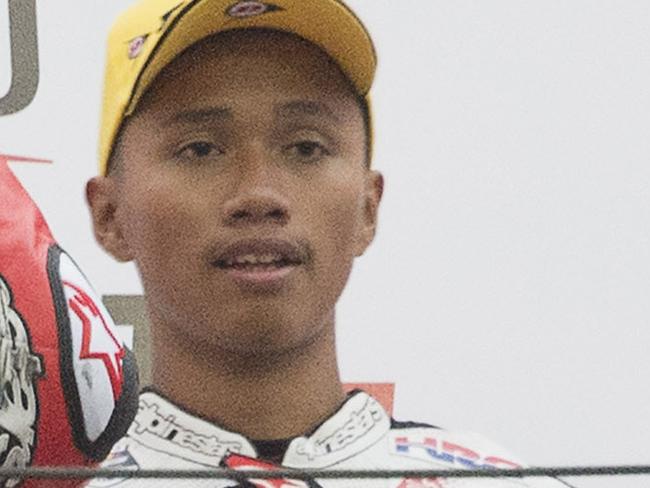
point(150, 34)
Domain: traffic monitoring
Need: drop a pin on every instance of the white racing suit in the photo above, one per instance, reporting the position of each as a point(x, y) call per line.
point(359, 436)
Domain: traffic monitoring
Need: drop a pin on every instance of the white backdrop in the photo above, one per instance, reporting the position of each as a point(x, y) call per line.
point(507, 292)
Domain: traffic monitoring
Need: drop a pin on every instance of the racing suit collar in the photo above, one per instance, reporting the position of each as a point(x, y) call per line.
point(358, 424)
point(161, 425)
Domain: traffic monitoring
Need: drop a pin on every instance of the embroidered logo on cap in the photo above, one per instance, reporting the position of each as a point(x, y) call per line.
point(250, 8)
point(135, 46)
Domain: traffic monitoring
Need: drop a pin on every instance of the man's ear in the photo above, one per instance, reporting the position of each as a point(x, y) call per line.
point(374, 189)
point(100, 195)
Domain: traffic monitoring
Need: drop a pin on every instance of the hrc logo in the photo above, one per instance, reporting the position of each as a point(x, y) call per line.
point(439, 450)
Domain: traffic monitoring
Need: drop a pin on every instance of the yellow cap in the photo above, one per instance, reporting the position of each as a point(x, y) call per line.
point(151, 33)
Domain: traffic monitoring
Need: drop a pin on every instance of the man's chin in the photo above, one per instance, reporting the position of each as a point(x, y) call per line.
point(264, 346)
point(269, 347)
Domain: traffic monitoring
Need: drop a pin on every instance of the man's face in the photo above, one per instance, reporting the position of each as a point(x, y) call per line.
point(242, 192)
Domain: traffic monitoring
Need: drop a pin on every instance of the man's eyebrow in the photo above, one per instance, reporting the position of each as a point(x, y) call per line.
point(307, 107)
point(202, 115)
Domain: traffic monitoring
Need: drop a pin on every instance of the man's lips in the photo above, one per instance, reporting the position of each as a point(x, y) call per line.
point(259, 254)
point(260, 264)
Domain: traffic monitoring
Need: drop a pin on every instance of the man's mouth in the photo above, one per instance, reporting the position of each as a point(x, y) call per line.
point(260, 263)
point(256, 261)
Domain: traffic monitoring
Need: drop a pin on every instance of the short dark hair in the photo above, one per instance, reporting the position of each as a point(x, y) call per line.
point(367, 127)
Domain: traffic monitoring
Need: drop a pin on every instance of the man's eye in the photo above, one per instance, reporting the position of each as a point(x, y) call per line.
point(307, 150)
point(198, 150)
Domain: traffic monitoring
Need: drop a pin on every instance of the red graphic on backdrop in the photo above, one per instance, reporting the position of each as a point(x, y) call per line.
point(93, 322)
point(5, 158)
point(384, 393)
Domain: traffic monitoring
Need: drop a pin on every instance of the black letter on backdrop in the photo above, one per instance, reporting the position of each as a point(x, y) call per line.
point(24, 57)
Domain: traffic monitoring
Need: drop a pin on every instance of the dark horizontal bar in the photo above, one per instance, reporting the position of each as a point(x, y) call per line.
point(86, 473)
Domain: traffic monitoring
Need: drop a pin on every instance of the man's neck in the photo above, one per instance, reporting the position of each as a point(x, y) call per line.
point(262, 397)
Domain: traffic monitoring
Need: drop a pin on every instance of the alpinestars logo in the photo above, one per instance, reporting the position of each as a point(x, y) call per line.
point(358, 425)
point(150, 420)
point(19, 368)
point(98, 341)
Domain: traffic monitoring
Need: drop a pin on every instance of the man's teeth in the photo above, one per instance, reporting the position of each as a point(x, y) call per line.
point(253, 259)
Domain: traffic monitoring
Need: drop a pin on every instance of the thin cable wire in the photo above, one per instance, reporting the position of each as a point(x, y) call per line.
point(87, 473)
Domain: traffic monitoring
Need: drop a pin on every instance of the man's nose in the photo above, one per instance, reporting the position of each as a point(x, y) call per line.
point(257, 197)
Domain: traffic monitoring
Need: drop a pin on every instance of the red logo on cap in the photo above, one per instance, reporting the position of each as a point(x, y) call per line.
point(250, 8)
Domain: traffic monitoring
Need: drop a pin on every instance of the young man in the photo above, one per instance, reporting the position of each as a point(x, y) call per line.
point(235, 172)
